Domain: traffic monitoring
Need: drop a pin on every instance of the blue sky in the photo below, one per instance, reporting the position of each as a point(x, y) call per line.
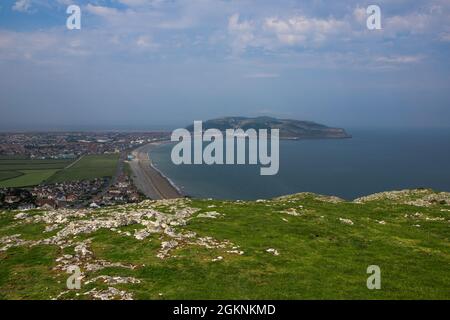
point(149, 64)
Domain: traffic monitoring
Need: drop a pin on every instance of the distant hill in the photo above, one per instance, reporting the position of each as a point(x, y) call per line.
point(289, 129)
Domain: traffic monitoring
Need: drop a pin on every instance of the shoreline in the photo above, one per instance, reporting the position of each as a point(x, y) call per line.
point(149, 179)
point(173, 184)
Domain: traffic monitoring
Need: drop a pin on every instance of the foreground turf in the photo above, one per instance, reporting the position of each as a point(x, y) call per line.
point(322, 250)
point(89, 167)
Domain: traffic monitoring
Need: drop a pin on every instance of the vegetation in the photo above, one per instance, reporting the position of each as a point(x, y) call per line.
point(21, 164)
point(89, 167)
point(5, 175)
point(25, 172)
point(293, 129)
point(28, 178)
point(324, 247)
point(127, 169)
point(13, 157)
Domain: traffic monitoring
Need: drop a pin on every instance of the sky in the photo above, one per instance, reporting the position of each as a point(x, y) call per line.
point(160, 64)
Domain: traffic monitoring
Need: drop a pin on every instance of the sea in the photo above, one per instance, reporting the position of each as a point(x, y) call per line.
point(373, 160)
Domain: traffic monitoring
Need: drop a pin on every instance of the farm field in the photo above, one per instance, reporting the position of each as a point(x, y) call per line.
point(5, 175)
point(26, 172)
point(13, 157)
point(89, 167)
point(28, 178)
point(27, 164)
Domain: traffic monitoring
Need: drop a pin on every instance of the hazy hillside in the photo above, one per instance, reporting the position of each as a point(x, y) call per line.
point(294, 129)
point(293, 247)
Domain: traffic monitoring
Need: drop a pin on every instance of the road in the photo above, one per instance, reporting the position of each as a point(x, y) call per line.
point(73, 163)
point(149, 180)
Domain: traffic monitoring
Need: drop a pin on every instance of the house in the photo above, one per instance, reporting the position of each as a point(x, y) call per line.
point(134, 197)
point(11, 199)
point(71, 198)
point(61, 197)
point(94, 205)
point(47, 203)
point(27, 206)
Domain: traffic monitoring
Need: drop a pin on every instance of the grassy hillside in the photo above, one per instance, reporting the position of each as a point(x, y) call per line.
point(89, 167)
point(296, 247)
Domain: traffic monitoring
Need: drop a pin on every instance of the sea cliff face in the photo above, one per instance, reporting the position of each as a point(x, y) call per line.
point(289, 129)
point(209, 249)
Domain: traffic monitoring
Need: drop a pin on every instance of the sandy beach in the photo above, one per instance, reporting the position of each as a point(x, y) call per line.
point(148, 179)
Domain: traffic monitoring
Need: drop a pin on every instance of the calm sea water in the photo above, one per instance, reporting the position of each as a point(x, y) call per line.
point(372, 161)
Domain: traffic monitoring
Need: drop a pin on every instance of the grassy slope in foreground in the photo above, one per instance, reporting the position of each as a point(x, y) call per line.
point(320, 255)
point(89, 167)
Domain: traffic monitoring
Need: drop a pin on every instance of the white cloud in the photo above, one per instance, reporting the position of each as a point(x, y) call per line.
point(304, 30)
point(399, 59)
point(192, 29)
point(445, 37)
point(146, 42)
point(22, 5)
point(141, 3)
point(65, 2)
point(133, 3)
point(360, 14)
point(274, 33)
point(262, 75)
point(416, 23)
point(101, 11)
point(241, 32)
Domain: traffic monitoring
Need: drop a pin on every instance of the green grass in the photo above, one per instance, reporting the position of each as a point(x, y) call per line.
point(320, 257)
point(127, 169)
point(22, 267)
point(25, 172)
point(20, 164)
point(16, 157)
point(5, 175)
point(28, 178)
point(90, 167)
point(16, 172)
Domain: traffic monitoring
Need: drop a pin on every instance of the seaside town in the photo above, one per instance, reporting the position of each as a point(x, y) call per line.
point(70, 145)
point(76, 194)
point(24, 154)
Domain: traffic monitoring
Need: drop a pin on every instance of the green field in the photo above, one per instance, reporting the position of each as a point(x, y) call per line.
point(324, 247)
point(5, 175)
point(11, 165)
point(89, 167)
point(3, 157)
point(26, 172)
point(28, 178)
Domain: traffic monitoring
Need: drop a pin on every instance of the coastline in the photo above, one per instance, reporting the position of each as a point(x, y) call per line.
point(154, 144)
point(149, 179)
